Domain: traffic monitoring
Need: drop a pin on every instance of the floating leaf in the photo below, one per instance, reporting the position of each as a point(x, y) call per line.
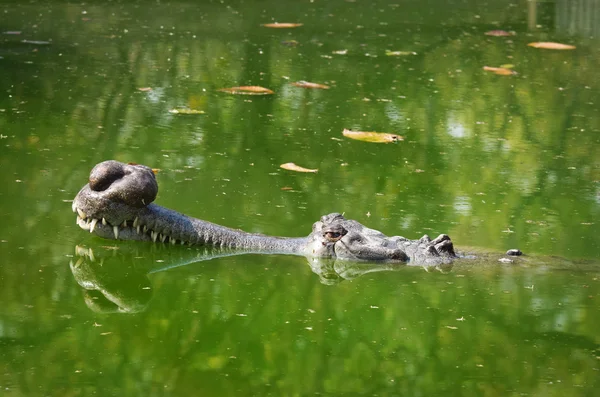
point(247, 90)
point(399, 53)
point(186, 111)
point(547, 45)
point(500, 71)
point(297, 168)
point(284, 25)
point(340, 52)
point(145, 89)
point(306, 84)
point(499, 33)
point(376, 137)
point(507, 66)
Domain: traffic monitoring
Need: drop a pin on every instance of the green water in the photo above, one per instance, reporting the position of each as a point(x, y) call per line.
point(497, 162)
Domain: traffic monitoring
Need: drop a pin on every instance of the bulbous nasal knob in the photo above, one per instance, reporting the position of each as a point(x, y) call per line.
point(132, 184)
point(105, 173)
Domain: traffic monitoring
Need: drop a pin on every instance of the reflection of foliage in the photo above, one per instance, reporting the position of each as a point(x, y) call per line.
point(250, 322)
point(515, 154)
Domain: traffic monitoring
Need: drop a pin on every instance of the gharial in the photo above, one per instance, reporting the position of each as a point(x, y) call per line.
point(117, 203)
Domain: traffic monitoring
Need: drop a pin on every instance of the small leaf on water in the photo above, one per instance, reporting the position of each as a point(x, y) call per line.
point(283, 25)
point(552, 46)
point(306, 84)
point(399, 53)
point(499, 33)
point(500, 71)
point(297, 168)
point(507, 66)
point(340, 52)
point(376, 137)
point(145, 89)
point(247, 90)
point(186, 111)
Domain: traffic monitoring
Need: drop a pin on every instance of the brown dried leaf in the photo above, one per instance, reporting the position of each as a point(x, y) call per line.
point(547, 45)
point(247, 90)
point(306, 84)
point(376, 137)
point(500, 71)
point(499, 33)
point(297, 168)
point(283, 25)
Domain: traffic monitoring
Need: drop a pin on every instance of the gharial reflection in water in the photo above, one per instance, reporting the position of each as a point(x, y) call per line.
point(116, 281)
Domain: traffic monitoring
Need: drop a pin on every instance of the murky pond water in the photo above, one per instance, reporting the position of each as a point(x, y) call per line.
point(495, 161)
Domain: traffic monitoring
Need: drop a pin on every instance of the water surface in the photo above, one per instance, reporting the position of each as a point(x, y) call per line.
point(497, 162)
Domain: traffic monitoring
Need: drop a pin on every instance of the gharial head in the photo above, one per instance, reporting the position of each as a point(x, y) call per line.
point(334, 236)
point(115, 194)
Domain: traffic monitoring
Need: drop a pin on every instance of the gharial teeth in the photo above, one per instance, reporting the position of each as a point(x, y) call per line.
point(154, 235)
point(93, 225)
point(81, 214)
point(172, 241)
point(137, 229)
point(104, 221)
point(73, 207)
point(116, 232)
point(124, 223)
point(136, 222)
point(163, 237)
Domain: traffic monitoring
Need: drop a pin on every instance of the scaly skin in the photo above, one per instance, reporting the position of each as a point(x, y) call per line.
point(117, 204)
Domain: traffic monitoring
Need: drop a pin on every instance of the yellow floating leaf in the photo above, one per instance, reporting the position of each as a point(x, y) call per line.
point(247, 90)
point(500, 71)
point(547, 45)
point(186, 111)
point(376, 137)
point(297, 168)
point(284, 25)
point(306, 84)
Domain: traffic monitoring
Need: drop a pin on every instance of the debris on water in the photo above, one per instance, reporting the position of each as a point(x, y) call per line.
point(307, 84)
point(35, 42)
point(340, 52)
point(399, 53)
point(547, 45)
point(505, 260)
point(499, 71)
point(514, 252)
point(376, 137)
point(186, 111)
point(290, 43)
point(297, 168)
point(145, 89)
point(282, 25)
point(499, 33)
point(13, 32)
point(247, 90)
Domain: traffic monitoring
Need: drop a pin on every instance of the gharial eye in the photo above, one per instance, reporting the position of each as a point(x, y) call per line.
point(333, 236)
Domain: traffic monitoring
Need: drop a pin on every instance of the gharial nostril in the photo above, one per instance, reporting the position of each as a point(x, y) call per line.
point(104, 174)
